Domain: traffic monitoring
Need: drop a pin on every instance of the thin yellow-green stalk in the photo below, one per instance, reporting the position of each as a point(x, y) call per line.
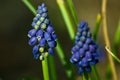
point(106, 38)
point(113, 55)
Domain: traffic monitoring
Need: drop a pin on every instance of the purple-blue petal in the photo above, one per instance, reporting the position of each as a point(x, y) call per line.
point(43, 5)
point(75, 57)
point(51, 51)
point(31, 33)
point(84, 33)
point(88, 69)
point(33, 24)
point(35, 49)
point(78, 34)
point(91, 48)
point(44, 9)
point(95, 55)
point(39, 33)
point(39, 7)
point(52, 44)
point(80, 71)
point(54, 36)
point(80, 44)
point(42, 42)
point(84, 62)
point(34, 20)
point(77, 38)
point(32, 41)
point(80, 64)
point(85, 46)
point(50, 29)
point(88, 40)
point(89, 34)
point(93, 62)
point(82, 38)
point(36, 56)
point(77, 47)
point(47, 36)
point(88, 55)
point(82, 24)
point(82, 52)
point(73, 50)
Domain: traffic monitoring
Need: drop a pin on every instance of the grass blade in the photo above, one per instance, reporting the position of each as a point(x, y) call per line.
point(66, 18)
point(73, 12)
point(30, 6)
point(117, 39)
point(68, 67)
point(95, 33)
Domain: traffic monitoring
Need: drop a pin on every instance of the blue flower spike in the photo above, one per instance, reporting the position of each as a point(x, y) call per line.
point(84, 52)
point(42, 36)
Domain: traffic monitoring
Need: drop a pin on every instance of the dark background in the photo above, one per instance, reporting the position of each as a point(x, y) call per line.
point(16, 59)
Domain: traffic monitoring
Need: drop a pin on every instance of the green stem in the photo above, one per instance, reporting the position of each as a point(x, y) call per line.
point(117, 39)
point(86, 76)
point(70, 29)
point(109, 73)
point(68, 67)
point(71, 32)
point(66, 17)
point(95, 73)
point(83, 77)
point(29, 5)
point(72, 9)
point(52, 68)
point(45, 69)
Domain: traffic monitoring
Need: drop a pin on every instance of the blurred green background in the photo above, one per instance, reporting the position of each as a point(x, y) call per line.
point(16, 59)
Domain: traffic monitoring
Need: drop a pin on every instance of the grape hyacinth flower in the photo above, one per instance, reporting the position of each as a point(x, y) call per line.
point(42, 36)
point(85, 50)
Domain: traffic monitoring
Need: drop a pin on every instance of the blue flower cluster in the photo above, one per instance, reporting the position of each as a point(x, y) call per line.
point(42, 36)
point(85, 50)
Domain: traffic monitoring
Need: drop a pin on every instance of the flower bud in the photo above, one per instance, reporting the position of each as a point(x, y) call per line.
point(31, 33)
point(35, 49)
point(32, 41)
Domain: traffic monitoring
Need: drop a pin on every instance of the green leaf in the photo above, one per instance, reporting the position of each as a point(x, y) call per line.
point(30, 6)
point(66, 18)
point(73, 12)
point(96, 29)
point(117, 39)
